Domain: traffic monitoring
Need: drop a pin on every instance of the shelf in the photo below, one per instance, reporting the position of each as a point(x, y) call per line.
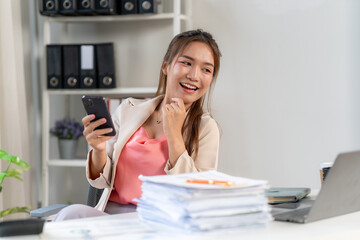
point(115, 18)
point(67, 162)
point(65, 32)
point(133, 92)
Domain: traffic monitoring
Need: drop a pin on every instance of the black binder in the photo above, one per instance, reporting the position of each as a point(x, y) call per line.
point(105, 65)
point(86, 7)
point(71, 60)
point(48, 7)
point(105, 7)
point(67, 7)
point(147, 6)
point(128, 7)
point(54, 66)
point(87, 67)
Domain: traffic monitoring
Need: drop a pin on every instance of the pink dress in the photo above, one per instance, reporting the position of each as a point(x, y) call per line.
point(140, 155)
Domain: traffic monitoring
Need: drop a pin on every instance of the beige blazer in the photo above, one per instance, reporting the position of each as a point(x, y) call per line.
point(128, 117)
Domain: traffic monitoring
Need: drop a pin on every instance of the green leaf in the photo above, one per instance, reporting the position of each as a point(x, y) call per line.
point(12, 172)
point(17, 161)
point(14, 210)
point(16, 173)
point(3, 153)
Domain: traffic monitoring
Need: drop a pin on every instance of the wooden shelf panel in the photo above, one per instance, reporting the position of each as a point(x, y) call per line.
point(115, 18)
point(67, 162)
point(118, 92)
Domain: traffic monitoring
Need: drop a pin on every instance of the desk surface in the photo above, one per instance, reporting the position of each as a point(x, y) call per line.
point(127, 226)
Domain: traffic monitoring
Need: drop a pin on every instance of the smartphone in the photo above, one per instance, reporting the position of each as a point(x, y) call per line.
point(97, 105)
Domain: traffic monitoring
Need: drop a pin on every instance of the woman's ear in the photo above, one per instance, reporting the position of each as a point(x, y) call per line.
point(164, 68)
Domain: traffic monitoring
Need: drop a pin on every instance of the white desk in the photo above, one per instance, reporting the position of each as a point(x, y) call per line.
point(339, 228)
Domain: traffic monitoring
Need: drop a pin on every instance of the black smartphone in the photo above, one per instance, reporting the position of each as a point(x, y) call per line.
point(97, 105)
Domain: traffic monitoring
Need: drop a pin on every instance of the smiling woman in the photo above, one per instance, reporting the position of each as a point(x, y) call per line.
point(168, 134)
point(196, 56)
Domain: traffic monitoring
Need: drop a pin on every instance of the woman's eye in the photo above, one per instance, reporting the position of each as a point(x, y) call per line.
point(186, 63)
point(207, 70)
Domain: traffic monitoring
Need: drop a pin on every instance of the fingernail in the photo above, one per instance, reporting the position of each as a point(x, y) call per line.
point(110, 129)
point(103, 120)
point(92, 116)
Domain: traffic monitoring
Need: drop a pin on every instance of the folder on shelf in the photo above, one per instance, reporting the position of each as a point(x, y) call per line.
point(87, 67)
point(49, 7)
point(128, 7)
point(54, 66)
point(67, 7)
point(147, 6)
point(86, 7)
point(281, 195)
point(105, 65)
point(106, 7)
point(71, 60)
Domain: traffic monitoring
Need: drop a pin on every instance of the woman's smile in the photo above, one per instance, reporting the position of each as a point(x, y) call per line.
point(189, 88)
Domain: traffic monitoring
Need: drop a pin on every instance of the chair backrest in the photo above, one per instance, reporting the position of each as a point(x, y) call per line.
point(94, 195)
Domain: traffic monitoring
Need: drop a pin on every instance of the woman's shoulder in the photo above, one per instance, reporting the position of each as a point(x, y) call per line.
point(128, 103)
point(135, 101)
point(207, 121)
point(207, 117)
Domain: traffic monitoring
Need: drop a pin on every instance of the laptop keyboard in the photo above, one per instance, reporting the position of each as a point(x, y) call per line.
point(298, 215)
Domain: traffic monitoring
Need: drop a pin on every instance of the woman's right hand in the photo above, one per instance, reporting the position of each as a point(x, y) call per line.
point(95, 138)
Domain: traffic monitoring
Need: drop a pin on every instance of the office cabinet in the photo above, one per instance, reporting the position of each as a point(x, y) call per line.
point(140, 41)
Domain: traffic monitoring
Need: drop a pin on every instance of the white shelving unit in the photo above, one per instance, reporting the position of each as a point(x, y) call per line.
point(175, 18)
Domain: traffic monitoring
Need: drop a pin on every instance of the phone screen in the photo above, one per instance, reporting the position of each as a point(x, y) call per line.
point(97, 105)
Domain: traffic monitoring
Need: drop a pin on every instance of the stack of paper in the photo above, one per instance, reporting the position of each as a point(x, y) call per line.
point(203, 201)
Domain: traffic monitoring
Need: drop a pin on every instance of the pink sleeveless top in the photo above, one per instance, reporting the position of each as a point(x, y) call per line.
point(140, 155)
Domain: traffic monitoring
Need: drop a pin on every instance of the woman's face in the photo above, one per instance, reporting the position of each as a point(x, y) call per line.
point(190, 73)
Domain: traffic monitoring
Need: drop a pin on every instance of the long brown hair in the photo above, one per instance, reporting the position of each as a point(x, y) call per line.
point(190, 129)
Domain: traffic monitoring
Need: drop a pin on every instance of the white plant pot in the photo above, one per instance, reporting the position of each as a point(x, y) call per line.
point(67, 148)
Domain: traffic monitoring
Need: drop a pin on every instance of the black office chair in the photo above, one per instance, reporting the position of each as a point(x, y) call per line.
point(93, 198)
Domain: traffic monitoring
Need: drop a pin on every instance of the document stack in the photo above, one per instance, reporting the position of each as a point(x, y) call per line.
point(204, 201)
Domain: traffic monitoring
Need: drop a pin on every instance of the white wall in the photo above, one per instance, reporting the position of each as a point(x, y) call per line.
point(287, 97)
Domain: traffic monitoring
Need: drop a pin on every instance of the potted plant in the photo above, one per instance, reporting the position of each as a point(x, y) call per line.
point(14, 173)
point(68, 132)
point(22, 226)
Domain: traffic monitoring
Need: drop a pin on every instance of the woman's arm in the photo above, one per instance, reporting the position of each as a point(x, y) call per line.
point(173, 119)
point(99, 162)
point(207, 158)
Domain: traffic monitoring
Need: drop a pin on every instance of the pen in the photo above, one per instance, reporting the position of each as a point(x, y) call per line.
point(215, 182)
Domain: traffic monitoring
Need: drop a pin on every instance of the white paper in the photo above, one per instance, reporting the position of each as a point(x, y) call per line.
point(96, 229)
point(180, 180)
point(169, 202)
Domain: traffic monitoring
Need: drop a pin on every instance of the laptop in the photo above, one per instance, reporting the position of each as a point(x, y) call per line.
point(339, 194)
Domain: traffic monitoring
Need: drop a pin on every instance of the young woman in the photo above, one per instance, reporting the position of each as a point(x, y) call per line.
point(168, 134)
